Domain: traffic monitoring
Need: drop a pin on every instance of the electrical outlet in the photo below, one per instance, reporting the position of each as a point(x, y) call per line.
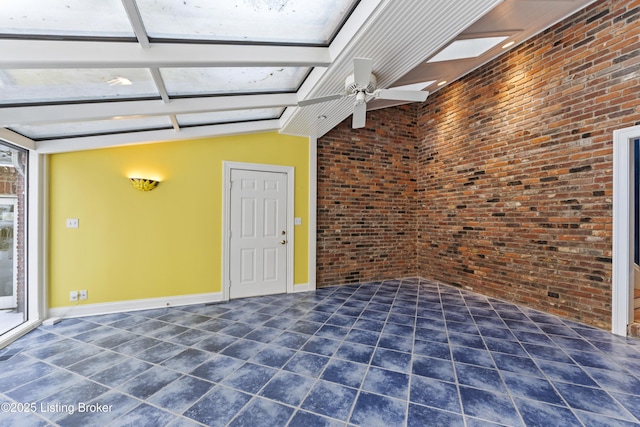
point(73, 296)
point(73, 223)
point(83, 294)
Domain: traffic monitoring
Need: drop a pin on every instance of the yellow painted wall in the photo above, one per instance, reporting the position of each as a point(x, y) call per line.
point(166, 242)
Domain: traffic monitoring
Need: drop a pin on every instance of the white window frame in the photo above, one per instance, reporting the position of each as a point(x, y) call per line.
point(36, 257)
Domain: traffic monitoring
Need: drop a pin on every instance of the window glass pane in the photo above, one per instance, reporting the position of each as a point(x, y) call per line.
point(58, 85)
point(275, 21)
point(86, 18)
point(60, 130)
point(229, 116)
point(211, 81)
point(13, 211)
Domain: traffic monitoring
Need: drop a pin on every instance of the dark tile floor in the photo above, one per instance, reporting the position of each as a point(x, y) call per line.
point(395, 353)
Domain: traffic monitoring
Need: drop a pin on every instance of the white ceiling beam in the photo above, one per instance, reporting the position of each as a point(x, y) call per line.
point(156, 75)
point(13, 138)
point(133, 13)
point(86, 54)
point(136, 138)
point(12, 116)
point(174, 122)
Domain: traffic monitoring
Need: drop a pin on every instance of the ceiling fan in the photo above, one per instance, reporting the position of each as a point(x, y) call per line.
point(362, 84)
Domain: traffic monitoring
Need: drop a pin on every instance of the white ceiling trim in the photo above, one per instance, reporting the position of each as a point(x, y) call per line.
point(16, 139)
point(133, 13)
point(151, 137)
point(109, 110)
point(21, 54)
point(159, 82)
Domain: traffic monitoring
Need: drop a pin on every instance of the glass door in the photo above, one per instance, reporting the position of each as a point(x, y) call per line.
point(13, 210)
point(8, 279)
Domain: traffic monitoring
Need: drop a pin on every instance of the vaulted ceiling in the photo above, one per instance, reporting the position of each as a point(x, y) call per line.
point(84, 74)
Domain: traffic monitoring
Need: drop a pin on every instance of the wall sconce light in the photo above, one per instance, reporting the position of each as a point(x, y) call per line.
point(144, 184)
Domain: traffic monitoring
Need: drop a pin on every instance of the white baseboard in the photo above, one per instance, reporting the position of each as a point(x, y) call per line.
point(132, 305)
point(302, 287)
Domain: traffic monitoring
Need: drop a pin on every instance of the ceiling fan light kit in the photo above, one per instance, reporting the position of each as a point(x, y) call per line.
point(362, 84)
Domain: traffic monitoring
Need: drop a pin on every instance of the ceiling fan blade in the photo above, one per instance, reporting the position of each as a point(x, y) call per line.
point(362, 71)
point(359, 118)
point(402, 95)
point(312, 101)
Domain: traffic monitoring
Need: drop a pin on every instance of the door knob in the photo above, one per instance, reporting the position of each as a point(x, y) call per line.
point(283, 242)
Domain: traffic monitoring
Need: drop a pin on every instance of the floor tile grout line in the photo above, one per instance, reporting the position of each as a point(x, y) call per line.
point(319, 378)
point(498, 370)
point(546, 377)
point(281, 369)
point(257, 393)
point(220, 384)
point(413, 345)
point(359, 391)
point(536, 360)
point(453, 365)
point(533, 359)
point(115, 388)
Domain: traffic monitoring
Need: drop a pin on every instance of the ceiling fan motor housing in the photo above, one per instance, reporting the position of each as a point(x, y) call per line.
point(351, 86)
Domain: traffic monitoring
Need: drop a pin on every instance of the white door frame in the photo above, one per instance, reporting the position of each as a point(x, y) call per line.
point(14, 250)
point(623, 229)
point(226, 218)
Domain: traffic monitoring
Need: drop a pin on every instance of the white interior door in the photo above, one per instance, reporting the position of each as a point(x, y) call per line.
point(258, 233)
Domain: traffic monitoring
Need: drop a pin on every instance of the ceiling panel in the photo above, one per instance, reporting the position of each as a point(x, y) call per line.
point(232, 80)
point(246, 21)
point(74, 18)
point(74, 129)
point(33, 86)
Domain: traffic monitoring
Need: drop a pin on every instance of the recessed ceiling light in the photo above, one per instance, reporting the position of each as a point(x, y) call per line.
point(467, 48)
point(322, 117)
point(508, 45)
point(120, 81)
point(442, 83)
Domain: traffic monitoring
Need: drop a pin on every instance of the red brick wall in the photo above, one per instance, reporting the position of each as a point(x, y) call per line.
point(513, 174)
point(515, 166)
point(366, 199)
